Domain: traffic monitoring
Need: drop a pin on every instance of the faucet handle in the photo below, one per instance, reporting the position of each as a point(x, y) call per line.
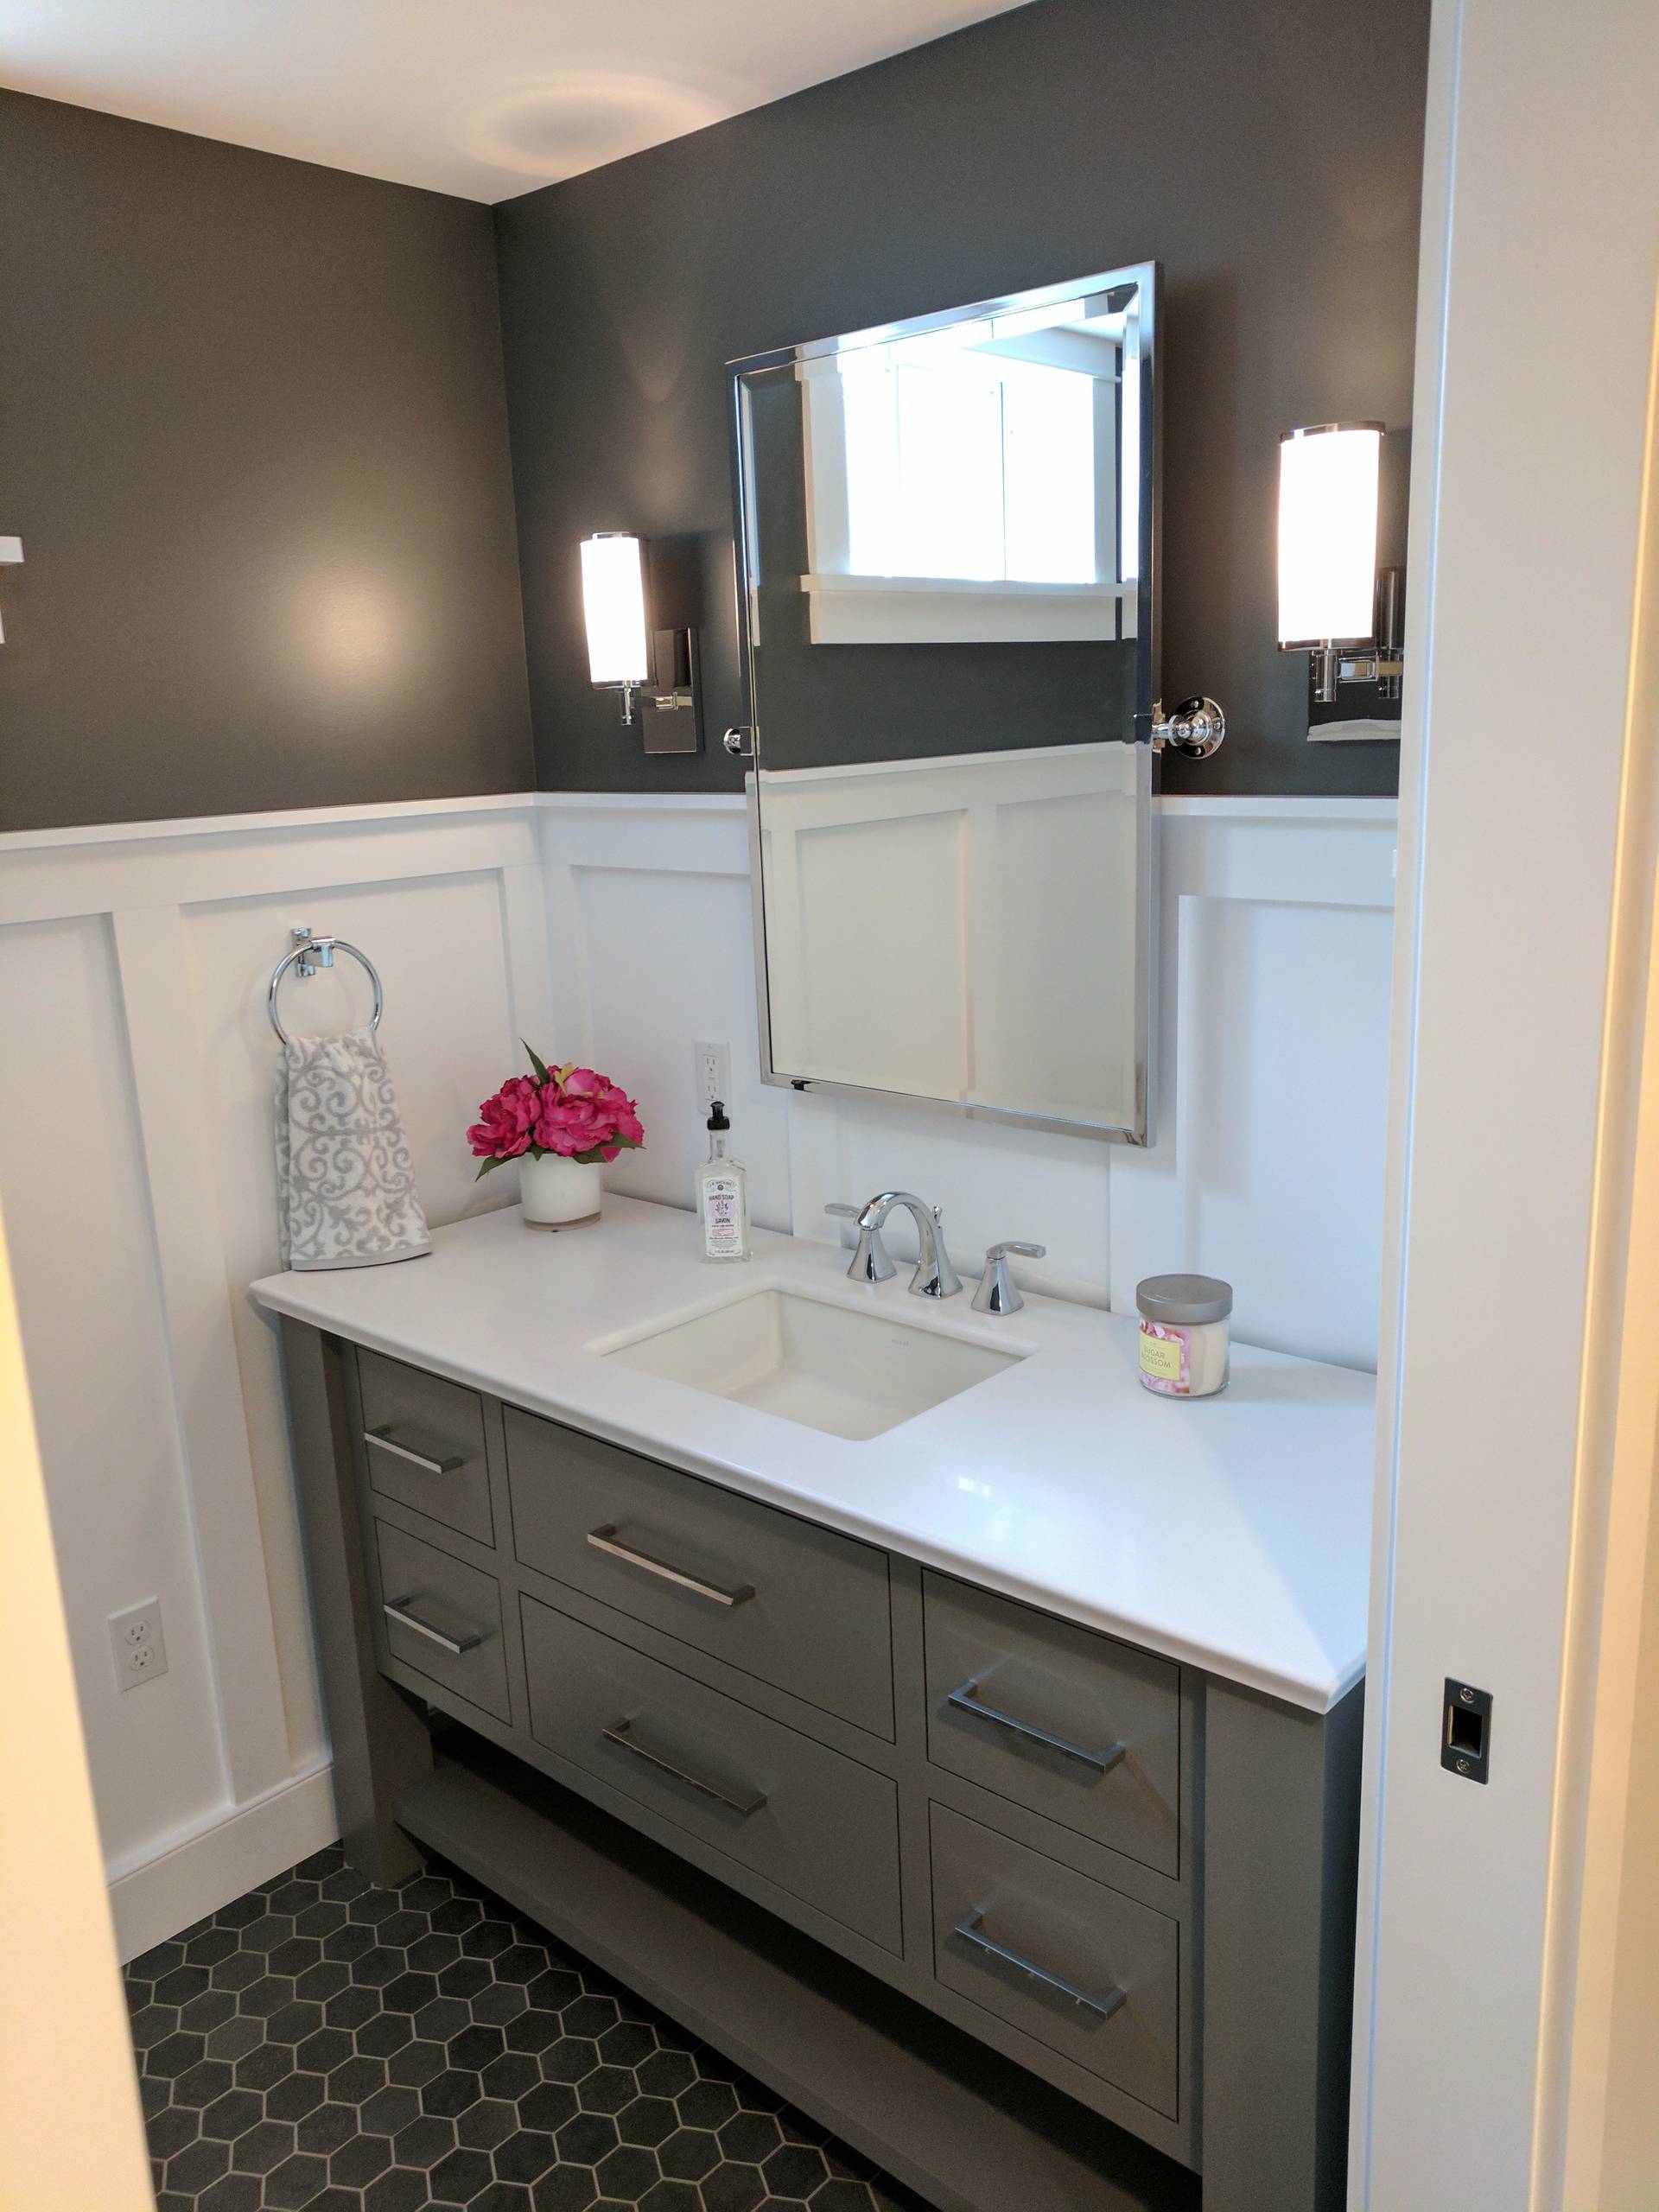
point(998, 1292)
point(870, 1262)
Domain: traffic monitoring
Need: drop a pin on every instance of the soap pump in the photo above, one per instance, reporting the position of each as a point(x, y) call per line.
point(722, 1195)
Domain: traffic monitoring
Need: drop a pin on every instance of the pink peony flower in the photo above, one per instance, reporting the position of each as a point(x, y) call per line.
point(567, 1126)
point(578, 1115)
point(503, 1129)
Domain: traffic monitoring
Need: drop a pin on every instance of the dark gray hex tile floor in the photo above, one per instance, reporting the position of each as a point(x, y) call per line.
point(324, 2044)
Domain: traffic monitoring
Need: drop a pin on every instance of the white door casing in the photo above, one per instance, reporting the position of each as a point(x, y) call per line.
point(1541, 246)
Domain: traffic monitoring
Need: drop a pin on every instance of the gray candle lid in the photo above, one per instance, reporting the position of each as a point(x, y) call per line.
point(1184, 1300)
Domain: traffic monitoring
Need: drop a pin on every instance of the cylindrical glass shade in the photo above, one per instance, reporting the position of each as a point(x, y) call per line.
point(1327, 533)
point(614, 600)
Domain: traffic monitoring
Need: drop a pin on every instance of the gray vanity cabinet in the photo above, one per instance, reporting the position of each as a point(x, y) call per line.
point(1041, 1921)
point(784, 1601)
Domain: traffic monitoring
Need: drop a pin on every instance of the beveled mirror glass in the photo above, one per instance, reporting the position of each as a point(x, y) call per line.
point(946, 546)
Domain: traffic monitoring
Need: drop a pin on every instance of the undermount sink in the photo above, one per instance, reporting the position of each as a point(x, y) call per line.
point(848, 1373)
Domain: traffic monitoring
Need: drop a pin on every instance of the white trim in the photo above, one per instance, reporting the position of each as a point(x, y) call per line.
point(322, 817)
point(1246, 807)
point(235, 825)
point(206, 1866)
point(641, 802)
point(1493, 1465)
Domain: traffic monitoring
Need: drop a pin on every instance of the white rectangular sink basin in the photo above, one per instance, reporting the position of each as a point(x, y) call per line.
point(848, 1373)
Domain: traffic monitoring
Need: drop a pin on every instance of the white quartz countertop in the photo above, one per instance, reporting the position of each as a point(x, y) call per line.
point(1231, 1532)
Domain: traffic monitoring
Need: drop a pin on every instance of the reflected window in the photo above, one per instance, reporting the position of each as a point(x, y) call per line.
point(976, 483)
point(961, 464)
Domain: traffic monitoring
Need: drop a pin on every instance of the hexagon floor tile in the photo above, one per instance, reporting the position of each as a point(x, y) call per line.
point(324, 2044)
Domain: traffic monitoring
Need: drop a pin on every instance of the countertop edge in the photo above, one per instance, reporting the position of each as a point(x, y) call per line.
point(1316, 1696)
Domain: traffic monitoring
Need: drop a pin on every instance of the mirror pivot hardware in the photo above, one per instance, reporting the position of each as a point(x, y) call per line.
point(1195, 729)
point(1466, 1731)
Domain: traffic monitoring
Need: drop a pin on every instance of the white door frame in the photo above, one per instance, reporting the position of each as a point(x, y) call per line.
point(1526, 883)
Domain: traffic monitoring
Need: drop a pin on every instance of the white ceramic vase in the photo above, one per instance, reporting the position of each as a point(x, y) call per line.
point(558, 1194)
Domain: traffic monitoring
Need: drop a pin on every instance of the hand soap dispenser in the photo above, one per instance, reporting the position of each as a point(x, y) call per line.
point(723, 1196)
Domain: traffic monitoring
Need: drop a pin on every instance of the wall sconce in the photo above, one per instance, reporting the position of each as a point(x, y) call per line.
point(1334, 603)
point(11, 554)
point(625, 655)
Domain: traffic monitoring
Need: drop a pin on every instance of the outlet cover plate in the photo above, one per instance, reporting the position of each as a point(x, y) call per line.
point(137, 1642)
point(714, 1066)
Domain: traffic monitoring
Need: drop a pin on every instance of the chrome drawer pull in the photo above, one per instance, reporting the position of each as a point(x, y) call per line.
point(622, 1736)
point(603, 1539)
point(386, 1441)
point(397, 1609)
point(968, 1700)
point(971, 1932)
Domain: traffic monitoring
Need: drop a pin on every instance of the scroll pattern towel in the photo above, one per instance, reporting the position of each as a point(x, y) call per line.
point(344, 1181)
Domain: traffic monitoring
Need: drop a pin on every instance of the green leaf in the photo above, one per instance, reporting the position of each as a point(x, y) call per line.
point(483, 1168)
point(536, 1062)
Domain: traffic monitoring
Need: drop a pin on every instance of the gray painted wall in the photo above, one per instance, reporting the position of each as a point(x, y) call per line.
point(253, 435)
point(1267, 152)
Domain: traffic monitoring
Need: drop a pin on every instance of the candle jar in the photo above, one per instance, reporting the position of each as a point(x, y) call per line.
point(1184, 1334)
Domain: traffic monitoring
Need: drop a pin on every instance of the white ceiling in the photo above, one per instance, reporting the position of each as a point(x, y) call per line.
point(485, 98)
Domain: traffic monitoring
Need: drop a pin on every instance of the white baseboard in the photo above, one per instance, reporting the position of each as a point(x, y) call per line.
point(202, 1872)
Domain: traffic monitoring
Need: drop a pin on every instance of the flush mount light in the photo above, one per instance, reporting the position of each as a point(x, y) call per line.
point(1334, 604)
point(625, 655)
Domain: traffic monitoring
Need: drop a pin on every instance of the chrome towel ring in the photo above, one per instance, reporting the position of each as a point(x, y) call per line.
point(313, 952)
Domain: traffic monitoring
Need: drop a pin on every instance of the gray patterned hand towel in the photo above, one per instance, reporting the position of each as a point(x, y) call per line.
point(345, 1182)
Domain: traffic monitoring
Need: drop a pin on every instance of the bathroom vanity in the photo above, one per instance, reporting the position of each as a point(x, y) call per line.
point(961, 1737)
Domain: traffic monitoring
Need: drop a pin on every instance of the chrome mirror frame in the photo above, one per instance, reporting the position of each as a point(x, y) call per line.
point(1150, 729)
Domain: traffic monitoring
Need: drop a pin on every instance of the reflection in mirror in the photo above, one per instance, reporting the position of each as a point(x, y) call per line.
point(947, 569)
point(963, 486)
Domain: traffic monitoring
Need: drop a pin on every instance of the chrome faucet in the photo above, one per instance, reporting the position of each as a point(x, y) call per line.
point(934, 1277)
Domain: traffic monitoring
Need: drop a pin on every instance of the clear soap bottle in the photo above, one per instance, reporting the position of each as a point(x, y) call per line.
point(722, 1195)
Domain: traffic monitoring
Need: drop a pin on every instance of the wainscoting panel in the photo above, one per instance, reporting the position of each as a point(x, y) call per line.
point(137, 1180)
point(82, 1234)
point(1273, 1018)
point(136, 1176)
point(1277, 919)
point(651, 950)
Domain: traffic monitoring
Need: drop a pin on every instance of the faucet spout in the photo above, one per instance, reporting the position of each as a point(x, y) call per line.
point(934, 1277)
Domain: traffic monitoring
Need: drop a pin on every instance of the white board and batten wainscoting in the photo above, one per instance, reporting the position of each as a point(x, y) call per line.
point(137, 1187)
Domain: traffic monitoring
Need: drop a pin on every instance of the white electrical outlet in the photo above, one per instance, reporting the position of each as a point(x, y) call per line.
point(714, 1066)
point(136, 1641)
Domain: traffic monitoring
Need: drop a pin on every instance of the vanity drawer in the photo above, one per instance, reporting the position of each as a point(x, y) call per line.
point(793, 1605)
point(424, 1444)
point(1035, 1709)
point(1075, 1966)
point(821, 1826)
point(443, 1618)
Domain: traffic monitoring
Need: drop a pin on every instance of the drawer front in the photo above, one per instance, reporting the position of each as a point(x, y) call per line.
point(443, 1618)
point(818, 1824)
point(423, 1442)
point(1037, 1710)
point(795, 1605)
point(1072, 1964)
